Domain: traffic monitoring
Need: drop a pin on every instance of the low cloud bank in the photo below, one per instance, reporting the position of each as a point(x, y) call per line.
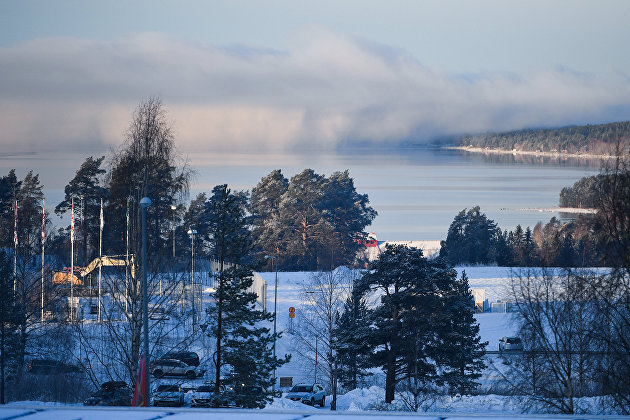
point(325, 90)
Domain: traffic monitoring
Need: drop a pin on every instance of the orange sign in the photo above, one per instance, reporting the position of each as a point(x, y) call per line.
point(291, 309)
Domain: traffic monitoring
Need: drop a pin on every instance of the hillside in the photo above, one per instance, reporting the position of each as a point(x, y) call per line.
point(586, 139)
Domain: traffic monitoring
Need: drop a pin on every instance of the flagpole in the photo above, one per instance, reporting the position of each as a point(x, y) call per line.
point(100, 259)
point(15, 244)
point(43, 241)
point(72, 261)
point(127, 258)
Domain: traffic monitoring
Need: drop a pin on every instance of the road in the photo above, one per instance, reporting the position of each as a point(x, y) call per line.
point(41, 412)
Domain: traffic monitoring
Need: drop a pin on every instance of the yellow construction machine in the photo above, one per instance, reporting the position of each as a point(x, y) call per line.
point(63, 277)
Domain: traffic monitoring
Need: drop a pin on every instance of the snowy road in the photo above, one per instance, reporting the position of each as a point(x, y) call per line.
point(37, 412)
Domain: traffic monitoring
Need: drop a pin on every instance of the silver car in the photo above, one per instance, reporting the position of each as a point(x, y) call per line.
point(510, 344)
point(308, 394)
point(169, 396)
point(173, 367)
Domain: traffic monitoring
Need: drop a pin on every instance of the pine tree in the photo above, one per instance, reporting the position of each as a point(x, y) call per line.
point(10, 320)
point(264, 206)
point(87, 192)
point(423, 330)
point(461, 350)
point(243, 346)
point(301, 217)
point(517, 244)
point(352, 341)
point(348, 213)
point(309, 222)
point(450, 248)
point(247, 345)
point(30, 197)
point(529, 249)
point(473, 239)
point(229, 240)
point(9, 187)
point(195, 218)
point(395, 275)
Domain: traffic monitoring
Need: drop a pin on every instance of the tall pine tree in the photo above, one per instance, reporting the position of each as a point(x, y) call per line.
point(423, 329)
point(10, 320)
point(87, 191)
point(352, 341)
point(243, 343)
point(461, 350)
point(264, 206)
point(247, 344)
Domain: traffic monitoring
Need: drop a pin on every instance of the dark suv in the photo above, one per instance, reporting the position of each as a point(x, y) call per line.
point(50, 367)
point(111, 393)
point(189, 357)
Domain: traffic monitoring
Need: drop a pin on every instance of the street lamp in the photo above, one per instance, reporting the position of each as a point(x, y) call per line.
point(144, 203)
point(173, 207)
point(192, 232)
point(311, 294)
point(274, 261)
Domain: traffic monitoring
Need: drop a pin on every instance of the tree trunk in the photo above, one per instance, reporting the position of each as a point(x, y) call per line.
point(2, 362)
point(217, 381)
point(390, 377)
point(333, 404)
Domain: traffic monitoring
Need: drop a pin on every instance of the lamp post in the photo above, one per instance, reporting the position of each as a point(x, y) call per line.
point(144, 203)
point(274, 262)
point(311, 295)
point(173, 208)
point(192, 232)
point(173, 227)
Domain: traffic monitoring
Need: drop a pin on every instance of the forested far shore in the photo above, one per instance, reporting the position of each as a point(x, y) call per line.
point(601, 139)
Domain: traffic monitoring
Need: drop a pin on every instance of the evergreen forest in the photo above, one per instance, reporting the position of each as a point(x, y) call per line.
point(599, 139)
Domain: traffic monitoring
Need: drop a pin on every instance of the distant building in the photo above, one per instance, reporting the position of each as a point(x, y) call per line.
point(372, 247)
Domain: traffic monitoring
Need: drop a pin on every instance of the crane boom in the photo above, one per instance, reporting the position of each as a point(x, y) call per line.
point(109, 261)
point(104, 261)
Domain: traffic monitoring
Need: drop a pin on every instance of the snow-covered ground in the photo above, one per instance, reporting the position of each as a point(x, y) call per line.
point(494, 282)
point(476, 410)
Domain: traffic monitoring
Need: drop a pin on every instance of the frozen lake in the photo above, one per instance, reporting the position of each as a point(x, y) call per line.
point(417, 191)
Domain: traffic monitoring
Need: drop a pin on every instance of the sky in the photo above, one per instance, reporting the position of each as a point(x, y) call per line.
point(291, 74)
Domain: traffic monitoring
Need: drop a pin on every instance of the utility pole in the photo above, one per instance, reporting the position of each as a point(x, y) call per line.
point(275, 316)
point(144, 203)
point(192, 232)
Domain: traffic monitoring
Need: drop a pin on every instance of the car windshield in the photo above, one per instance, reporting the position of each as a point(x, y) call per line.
point(302, 388)
point(168, 388)
point(205, 388)
point(514, 340)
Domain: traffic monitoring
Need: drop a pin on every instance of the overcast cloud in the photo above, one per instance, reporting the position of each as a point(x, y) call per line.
point(325, 89)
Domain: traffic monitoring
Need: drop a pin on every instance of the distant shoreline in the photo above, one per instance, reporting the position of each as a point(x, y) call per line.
point(529, 153)
point(572, 210)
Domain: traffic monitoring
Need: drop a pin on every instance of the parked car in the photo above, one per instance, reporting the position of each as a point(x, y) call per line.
point(170, 395)
point(510, 344)
point(111, 393)
point(173, 367)
point(203, 396)
point(189, 357)
point(50, 367)
point(308, 394)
